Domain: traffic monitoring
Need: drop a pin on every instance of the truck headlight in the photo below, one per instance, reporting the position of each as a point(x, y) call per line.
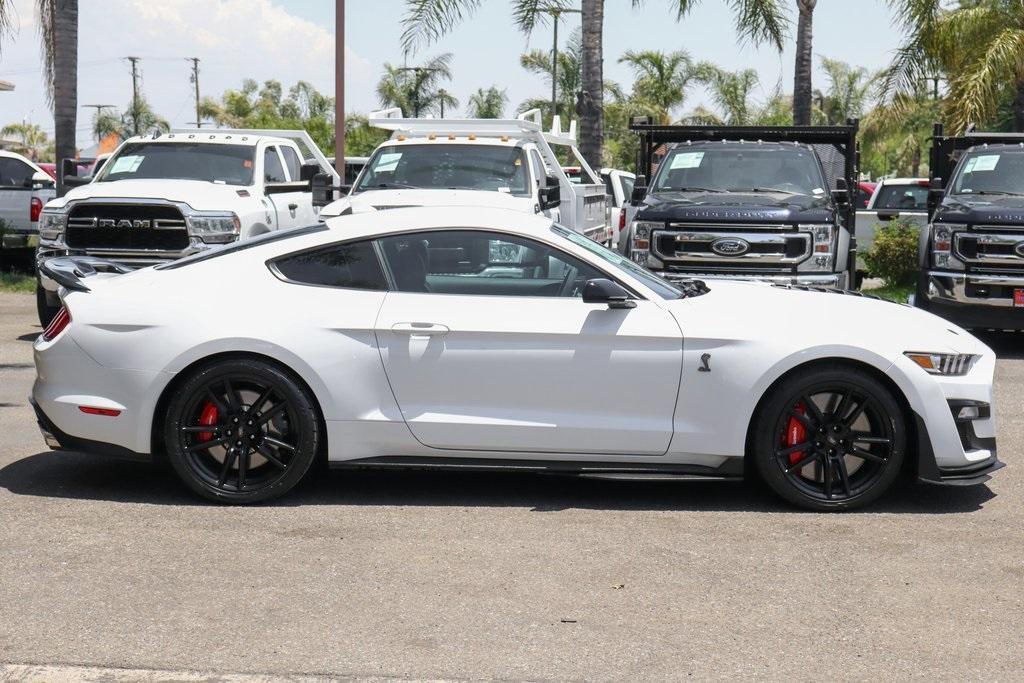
point(214, 228)
point(942, 245)
point(52, 223)
point(951, 364)
point(823, 246)
point(640, 249)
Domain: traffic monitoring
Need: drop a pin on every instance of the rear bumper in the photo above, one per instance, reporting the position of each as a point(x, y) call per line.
point(954, 296)
point(60, 441)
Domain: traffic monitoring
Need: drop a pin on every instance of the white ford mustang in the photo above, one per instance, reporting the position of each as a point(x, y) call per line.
point(483, 338)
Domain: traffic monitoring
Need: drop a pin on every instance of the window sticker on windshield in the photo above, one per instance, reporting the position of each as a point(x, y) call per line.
point(687, 160)
point(985, 162)
point(818, 190)
point(127, 164)
point(387, 162)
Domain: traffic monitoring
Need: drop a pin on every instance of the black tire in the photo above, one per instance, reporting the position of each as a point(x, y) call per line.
point(44, 310)
point(241, 458)
point(852, 431)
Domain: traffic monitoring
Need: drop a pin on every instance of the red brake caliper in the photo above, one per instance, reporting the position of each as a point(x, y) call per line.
point(796, 433)
point(208, 416)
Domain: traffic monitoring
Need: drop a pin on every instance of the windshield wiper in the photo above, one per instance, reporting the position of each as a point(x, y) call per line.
point(695, 189)
point(994, 192)
point(778, 190)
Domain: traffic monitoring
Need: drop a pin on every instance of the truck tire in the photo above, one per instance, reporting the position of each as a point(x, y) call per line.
point(45, 311)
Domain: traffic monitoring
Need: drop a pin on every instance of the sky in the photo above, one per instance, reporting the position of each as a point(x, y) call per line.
point(289, 40)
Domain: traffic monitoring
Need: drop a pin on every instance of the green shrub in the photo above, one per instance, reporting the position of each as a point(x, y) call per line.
point(893, 256)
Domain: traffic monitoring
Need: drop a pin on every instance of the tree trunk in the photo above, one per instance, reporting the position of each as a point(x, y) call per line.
point(1018, 108)
point(589, 102)
point(65, 80)
point(804, 64)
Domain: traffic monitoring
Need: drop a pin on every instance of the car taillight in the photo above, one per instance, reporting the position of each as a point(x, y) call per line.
point(35, 209)
point(57, 325)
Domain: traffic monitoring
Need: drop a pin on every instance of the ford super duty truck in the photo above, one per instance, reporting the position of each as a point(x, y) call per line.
point(162, 197)
point(971, 256)
point(765, 203)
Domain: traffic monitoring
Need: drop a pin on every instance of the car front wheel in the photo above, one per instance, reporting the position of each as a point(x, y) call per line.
point(241, 431)
point(830, 438)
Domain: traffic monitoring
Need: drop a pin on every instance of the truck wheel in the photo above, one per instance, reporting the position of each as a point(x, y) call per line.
point(45, 311)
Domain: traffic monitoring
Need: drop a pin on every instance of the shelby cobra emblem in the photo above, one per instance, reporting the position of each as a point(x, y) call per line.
point(730, 246)
point(122, 223)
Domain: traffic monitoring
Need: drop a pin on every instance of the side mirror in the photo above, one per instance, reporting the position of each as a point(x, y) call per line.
point(639, 191)
point(550, 196)
point(77, 180)
point(322, 187)
point(307, 171)
point(841, 194)
point(603, 291)
point(40, 178)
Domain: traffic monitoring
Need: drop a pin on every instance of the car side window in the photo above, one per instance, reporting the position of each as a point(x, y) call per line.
point(477, 262)
point(273, 171)
point(291, 160)
point(350, 266)
point(14, 173)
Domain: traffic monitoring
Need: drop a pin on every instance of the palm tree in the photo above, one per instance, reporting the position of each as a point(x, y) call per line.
point(731, 92)
point(58, 27)
point(802, 72)
point(976, 46)
point(848, 92)
point(427, 20)
point(487, 103)
point(416, 89)
point(570, 74)
point(661, 79)
point(32, 139)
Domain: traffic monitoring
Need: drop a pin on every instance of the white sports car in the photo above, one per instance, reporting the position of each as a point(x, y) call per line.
point(484, 338)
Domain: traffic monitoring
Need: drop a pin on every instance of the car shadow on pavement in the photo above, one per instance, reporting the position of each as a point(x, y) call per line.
point(78, 476)
point(1007, 345)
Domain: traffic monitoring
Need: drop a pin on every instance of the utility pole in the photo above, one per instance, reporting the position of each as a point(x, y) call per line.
point(443, 93)
point(99, 109)
point(555, 13)
point(339, 87)
point(135, 94)
point(195, 79)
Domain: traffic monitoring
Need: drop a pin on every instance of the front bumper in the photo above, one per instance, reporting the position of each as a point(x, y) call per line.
point(972, 300)
point(826, 280)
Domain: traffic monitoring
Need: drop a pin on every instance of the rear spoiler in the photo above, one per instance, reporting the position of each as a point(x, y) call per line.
point(70, 271)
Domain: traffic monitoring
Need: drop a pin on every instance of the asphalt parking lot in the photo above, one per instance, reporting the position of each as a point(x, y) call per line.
point(441, 576)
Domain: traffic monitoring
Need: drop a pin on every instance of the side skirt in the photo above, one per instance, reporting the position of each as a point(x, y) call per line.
point(731, 469)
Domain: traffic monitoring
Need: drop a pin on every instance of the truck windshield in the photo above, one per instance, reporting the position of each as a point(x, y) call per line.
point(491, 168)
point(215, 163)
point(787, 170)
point(991, 171)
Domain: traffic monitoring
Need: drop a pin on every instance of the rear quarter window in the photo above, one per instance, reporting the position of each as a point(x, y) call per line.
point(349, 266)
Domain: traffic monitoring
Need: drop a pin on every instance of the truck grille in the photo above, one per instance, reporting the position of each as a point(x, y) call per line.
point(993, 249)
point(732, 247)
point(127, 227)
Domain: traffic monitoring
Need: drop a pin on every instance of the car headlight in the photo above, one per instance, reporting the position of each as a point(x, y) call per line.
point(822, 246)
point(950, 364)
point(52, 223)
point(214, 228)
point(942, 245)
point(641, 247)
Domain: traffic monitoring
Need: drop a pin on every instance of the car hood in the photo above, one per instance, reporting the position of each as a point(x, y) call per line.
point(765, 313)
point(735, 206)
point(981, 209)
point(377, 200)
point(198, 194)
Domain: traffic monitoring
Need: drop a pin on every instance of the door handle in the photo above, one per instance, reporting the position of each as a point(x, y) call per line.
point(420, 329)
point(293, 206)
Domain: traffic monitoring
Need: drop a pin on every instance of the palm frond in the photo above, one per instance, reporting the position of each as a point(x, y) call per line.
point(47, 11)
point(974, 91)
point(425, 21)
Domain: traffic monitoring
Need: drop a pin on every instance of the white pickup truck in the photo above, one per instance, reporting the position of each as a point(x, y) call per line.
point(162, 197)
point(903, 198)
point(24, 189)
point(506, 163)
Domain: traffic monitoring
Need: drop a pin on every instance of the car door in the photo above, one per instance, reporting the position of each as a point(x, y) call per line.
point(285, 205)
point(488, 347)
point(15, 194)
point(303, 213)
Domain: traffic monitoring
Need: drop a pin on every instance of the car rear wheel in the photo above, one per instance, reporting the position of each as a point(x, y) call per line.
point(830, 439)
point(241, 431)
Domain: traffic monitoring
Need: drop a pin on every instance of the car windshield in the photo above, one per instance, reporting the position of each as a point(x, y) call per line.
point(991, 171)
point(493, 168)
point(214, 163)
point(732, 168)
point(663, 288)
point(901, 196)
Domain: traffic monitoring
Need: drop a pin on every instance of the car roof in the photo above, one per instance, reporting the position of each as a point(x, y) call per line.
point(20, 157)
point(372, 223)
point(206, 138)
point(733, 145)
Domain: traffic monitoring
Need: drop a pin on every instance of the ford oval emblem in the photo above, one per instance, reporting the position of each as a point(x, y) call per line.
point(1019, 249)
point(730, 246)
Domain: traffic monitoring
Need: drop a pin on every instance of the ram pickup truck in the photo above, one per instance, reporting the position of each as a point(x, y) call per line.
point(903, 198)
point(24, 189)
point(162, 197)
point(506, 163)
point(971, 256)
point(764, 203)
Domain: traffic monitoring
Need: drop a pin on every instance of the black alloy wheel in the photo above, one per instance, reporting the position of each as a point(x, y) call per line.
point(830, 439)
point(241, 431)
